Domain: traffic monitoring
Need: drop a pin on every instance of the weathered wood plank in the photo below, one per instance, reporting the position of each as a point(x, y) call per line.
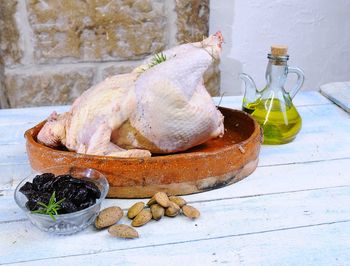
point(28, 115)
point(265, 180)
point(21, 241)
point(13, 154)
point(323, 137)
point(326, 244)
point(309, 98)
point(14, 134)
point(339, 93)
point(11, 175)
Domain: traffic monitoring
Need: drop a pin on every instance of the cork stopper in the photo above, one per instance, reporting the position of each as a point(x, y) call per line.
point(279, 50)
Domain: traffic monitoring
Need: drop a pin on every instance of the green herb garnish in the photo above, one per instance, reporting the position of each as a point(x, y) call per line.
point(51, 208)
point(157, 59)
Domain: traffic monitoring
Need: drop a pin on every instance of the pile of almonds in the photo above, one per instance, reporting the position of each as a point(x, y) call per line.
point(159, 205)
point(140, 213)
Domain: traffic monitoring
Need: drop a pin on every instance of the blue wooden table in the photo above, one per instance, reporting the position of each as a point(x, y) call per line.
point(293, 210)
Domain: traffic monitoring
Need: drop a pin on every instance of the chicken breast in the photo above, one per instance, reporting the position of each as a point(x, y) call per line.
point(158, 108)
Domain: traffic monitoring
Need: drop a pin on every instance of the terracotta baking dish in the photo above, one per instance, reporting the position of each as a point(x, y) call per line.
point(217, 163)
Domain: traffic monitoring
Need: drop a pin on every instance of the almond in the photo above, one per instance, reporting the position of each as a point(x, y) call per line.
point(135, 209)
point(108, 217)
point(172, 210)
point(190, 212)
point(123, 231)
point(162, 199)
point(157, 211)
point(178, 200)
point(142, 218)
point(151, 201)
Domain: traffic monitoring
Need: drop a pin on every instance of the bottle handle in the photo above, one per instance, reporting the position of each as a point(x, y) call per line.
point(299, 82)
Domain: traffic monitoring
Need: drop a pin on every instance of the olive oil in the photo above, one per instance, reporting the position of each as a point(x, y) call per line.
point(272, 106)
point(249, 107)
point(280, 122)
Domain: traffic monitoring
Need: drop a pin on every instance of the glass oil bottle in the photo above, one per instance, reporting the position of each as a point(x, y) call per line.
point(272, 107)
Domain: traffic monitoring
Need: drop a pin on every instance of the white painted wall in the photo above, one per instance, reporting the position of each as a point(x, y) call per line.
point(316, 31)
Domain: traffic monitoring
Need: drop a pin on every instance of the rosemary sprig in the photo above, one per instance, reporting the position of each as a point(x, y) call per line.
point(51, 208)
point(157, 59)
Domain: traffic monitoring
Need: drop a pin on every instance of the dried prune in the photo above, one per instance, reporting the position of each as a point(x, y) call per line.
point(44, 197)
point(40, 197)
point(67, 193)
point(48, 186)
point(40, 180)
point(61, 181)
point(34, 197)
point(76, 181)
point(78, 194)
point(31, 205)
point(60, 194)
point(87, 204)
point(93, 189)
point(27, 189)
point(68, 207)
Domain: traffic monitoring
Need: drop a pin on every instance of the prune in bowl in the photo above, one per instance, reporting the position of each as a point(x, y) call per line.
point(79, 192)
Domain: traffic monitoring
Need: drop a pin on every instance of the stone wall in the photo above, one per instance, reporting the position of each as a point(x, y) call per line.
point(53, 50)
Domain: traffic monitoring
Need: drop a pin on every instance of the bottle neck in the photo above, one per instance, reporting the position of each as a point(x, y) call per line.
point(276, 72)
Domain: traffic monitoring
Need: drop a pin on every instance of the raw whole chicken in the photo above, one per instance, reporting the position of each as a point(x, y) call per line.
point(159, 107)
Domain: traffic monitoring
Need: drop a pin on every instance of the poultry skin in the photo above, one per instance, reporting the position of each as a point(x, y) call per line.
point(157, 108)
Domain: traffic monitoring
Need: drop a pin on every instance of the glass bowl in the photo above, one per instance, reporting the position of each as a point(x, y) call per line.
point(69, 223)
